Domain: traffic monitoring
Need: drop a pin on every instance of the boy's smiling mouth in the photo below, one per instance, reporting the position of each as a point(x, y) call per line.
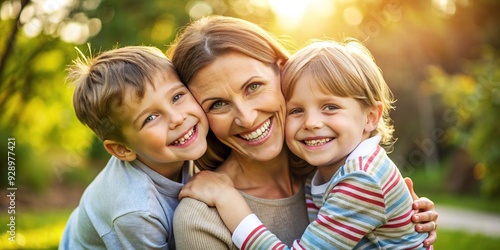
point(184, 138)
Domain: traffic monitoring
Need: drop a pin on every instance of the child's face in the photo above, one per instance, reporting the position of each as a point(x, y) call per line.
point(167, 125)
point(322, 128)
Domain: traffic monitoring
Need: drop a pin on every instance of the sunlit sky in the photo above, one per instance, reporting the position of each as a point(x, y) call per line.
point(48, 16)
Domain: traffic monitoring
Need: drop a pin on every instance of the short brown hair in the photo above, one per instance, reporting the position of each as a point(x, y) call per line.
point(102, 82)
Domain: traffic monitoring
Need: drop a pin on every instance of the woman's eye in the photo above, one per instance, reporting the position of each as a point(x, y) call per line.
point(217, 105)
point(253, 87)
point(149, 119)
point(176, 97)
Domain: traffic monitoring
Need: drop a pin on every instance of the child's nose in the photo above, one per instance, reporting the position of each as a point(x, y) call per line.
point(176, 119)
point(312, 122)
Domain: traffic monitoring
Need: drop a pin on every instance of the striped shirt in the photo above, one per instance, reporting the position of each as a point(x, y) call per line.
point(365, 205)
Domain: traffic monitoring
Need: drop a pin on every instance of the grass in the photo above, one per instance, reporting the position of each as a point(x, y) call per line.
point(430, 183)
point(35, 229)
point(458, 240)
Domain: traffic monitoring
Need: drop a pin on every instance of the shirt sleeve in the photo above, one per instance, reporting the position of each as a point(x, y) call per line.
point(354, 207)
point(197, 226)
point(140, 230)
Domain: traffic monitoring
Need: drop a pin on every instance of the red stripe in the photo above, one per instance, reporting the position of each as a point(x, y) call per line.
point(361, 198)
point(391, 224)
point(393, 181)
point(348, 185)
point(341, 232)
point(397, 225)
point(370, 160)
point(402, 216)
point(278, 246)
point(251, 235)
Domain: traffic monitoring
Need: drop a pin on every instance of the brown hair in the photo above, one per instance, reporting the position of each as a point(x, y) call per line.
point(346, 69)
point(203, 41)
point(102, 82)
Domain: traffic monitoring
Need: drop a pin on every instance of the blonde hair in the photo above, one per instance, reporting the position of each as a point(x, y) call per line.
point(203, 41)
point(102, 82)
point(346, 69)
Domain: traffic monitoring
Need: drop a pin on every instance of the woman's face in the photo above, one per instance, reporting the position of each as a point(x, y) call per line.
point(244, 105)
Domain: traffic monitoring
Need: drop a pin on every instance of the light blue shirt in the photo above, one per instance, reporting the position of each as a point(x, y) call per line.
point(127, 206)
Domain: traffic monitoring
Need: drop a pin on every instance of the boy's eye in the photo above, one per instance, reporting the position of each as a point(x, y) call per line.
point(176, 97)
point(149, 119)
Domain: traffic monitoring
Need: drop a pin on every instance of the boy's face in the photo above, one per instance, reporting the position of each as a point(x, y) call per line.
point(166, 126)
point(322, 128)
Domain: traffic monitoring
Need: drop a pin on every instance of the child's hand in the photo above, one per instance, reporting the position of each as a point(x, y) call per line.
point(208, 187)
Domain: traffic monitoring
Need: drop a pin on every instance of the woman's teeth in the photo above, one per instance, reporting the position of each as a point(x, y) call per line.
point(258, 133)
point(185, 138)
point(317, 142)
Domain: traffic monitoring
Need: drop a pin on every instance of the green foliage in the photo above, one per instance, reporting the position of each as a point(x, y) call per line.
point(36, 230)
point(472, 101)
point(458, 240)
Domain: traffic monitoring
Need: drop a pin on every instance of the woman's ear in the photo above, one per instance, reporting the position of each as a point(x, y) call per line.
point(373, 116)
point(119, 150)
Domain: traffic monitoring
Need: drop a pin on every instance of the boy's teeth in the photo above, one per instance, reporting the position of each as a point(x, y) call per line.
point(317, 142)
point(258, 133)
point(185, 138)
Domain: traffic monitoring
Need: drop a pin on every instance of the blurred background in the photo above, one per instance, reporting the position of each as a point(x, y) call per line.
point(440, 58)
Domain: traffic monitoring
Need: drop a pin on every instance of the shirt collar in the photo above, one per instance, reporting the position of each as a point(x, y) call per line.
point(365, 147)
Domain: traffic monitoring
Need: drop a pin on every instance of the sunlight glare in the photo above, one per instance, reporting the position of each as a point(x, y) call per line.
point(448, 7)
point(289, 12)
point(51, 6)
point(353, 16)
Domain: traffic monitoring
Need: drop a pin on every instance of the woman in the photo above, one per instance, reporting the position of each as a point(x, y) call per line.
point(232, 67)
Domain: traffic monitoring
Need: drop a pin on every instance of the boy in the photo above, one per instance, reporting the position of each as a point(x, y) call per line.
point(152, 126)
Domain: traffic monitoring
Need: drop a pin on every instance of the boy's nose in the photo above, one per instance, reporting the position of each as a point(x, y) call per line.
point(176, 119)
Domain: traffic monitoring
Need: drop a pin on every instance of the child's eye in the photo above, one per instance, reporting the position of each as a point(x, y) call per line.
point(295, 111)
point(149, 119)
point(330, 107)
point(176, 97)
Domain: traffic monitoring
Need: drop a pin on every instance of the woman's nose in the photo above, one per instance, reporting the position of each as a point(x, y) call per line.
point(245, 115)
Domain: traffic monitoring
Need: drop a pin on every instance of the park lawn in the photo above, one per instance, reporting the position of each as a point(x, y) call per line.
point(35, 229)
point(43, 229)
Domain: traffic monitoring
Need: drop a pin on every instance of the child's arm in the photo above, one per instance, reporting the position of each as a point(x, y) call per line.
point(354, 208)
point(217, 190)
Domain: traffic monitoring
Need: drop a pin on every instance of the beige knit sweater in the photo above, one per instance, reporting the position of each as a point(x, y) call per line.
point(197, 226)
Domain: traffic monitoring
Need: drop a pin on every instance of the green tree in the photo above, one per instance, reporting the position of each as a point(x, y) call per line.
point(472, 101)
